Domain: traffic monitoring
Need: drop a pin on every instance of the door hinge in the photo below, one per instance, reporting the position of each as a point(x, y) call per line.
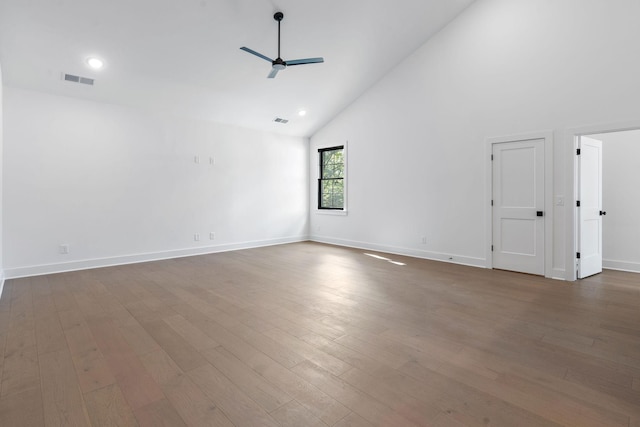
point(492, 157)
point(578, 151)
point(492, 203)
point(491, 248)
point(578, 255)
point(578, 203)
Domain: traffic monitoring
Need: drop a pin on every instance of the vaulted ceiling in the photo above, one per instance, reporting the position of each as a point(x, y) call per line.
point(183, 57)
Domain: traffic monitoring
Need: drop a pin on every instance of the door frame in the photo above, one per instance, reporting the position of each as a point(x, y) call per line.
point(572, 136)
point(547, 136)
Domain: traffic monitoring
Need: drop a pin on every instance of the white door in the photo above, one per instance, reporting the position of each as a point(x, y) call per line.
point(590, 210)
point(518, 206)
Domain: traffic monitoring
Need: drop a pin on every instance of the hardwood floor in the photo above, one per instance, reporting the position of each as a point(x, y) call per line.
point(314, 335)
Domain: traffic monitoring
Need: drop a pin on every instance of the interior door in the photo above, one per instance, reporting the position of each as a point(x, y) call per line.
point(518, 206)
point(590, 211)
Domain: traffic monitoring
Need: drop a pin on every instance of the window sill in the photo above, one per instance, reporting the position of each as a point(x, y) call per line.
point(331, 212)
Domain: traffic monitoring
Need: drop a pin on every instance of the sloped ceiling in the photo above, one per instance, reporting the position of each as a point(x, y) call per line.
point(182, 56)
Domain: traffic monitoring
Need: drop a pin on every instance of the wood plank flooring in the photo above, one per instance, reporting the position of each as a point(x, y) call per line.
point(313, 335)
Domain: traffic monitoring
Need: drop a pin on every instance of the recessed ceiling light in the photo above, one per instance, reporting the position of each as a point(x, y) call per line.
point(302, 113)
point(95, 63)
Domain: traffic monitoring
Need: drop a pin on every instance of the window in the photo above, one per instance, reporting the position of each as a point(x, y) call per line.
point(331, 180)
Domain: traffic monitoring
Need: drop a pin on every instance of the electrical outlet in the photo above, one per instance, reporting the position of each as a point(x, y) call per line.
point(212, 161)
point(196, 159)
point(212, 236)
point(63, 249)
point(424, 240)
point(196, 237)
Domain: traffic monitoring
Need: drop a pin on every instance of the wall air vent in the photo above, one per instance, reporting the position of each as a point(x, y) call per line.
point(279, 120)
point(78, 79)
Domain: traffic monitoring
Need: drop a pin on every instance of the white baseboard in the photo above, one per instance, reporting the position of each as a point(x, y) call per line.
point(1, 282)
point(37, 270)
point(633, 267)
point(436, 256)
point(558, 274)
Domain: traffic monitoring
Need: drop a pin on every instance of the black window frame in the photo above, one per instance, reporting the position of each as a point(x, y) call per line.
point(321, 179)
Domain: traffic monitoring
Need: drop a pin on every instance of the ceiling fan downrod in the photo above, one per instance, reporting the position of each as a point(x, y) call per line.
point(279, 16)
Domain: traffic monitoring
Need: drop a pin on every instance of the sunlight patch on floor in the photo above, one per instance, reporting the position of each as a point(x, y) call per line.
point(385, 259)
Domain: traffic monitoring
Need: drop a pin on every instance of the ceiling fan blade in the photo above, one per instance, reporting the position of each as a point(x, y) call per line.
point(253, 52)
point(304, 61)
point(273, 73)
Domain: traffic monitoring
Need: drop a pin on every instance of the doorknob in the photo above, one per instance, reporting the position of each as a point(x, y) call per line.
point(539, 213)
point(602, 213)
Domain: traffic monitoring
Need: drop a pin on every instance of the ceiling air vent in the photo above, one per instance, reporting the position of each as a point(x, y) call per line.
point(279, 120)
point(78, 79)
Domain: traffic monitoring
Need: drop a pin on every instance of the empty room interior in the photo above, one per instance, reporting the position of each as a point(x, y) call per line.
point(296, 213)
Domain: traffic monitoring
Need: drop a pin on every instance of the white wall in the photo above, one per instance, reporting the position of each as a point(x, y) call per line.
point(1, 186)
point(120, 185)
point(620, 184)
point(417, 157)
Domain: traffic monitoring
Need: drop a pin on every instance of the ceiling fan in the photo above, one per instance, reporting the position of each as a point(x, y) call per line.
point(279, 64)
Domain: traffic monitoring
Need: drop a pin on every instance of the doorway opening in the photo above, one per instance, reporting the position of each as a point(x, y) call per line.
point(607, 209)
point(620, 181)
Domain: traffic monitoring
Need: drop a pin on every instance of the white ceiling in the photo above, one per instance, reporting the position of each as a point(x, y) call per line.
point(183, 57)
